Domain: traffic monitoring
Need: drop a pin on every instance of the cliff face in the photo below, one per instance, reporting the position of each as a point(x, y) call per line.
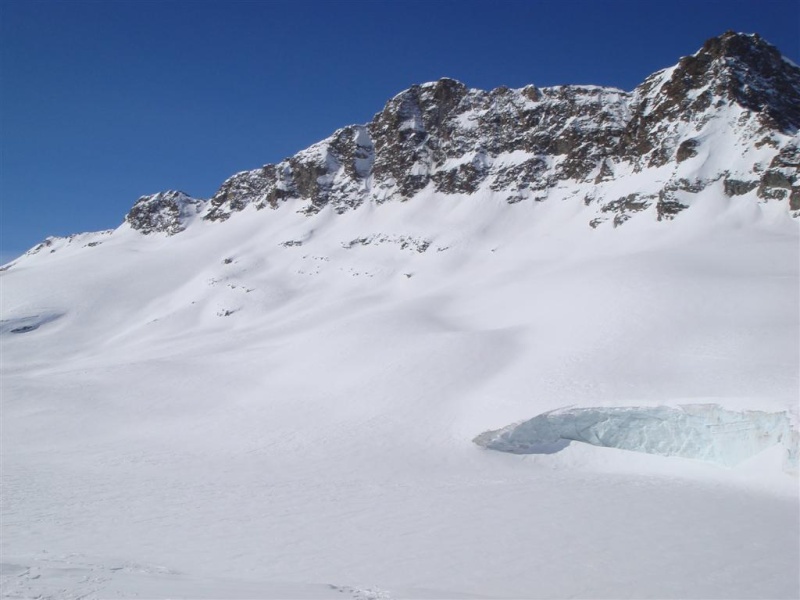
point(729, 113)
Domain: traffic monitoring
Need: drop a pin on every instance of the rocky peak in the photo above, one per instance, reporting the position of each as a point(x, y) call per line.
point(735, 76)
point(751, 72)
point(165, 212)
point(734, 67)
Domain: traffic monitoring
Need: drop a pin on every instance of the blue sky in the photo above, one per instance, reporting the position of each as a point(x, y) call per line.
point(102, 102)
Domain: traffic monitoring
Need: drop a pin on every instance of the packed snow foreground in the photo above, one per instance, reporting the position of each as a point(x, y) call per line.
point(274, 393)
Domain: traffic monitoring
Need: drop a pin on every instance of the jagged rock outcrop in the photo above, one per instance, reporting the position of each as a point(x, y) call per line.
point(782, 179)
point(334, 171)
point(522, 144)
point(166, 212)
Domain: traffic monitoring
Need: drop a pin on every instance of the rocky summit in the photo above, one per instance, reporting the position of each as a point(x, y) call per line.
point(727, 115)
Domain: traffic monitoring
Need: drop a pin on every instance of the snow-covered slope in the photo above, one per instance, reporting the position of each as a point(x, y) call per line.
point(215, 400)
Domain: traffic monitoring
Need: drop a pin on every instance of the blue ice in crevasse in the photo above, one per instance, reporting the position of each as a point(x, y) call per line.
point(28, 323)
point(704, 432)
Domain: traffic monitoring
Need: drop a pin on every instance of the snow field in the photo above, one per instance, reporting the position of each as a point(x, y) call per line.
point(320, 434)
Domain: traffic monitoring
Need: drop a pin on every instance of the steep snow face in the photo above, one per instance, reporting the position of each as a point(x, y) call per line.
point(703, 432)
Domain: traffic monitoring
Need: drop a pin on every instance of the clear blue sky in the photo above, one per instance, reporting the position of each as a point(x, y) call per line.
point(102, 102)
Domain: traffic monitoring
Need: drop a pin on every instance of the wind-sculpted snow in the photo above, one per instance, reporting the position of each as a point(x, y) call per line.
point(704, 432)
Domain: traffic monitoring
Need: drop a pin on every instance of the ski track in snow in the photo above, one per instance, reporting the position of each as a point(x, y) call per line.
point(74, 577)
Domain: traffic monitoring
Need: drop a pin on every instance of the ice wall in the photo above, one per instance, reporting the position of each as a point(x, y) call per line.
point(705, 432)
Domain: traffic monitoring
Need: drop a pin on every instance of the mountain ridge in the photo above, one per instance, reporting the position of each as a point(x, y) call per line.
point(671, 134)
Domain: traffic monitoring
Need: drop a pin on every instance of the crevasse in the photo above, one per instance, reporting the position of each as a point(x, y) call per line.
point(704, 432)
